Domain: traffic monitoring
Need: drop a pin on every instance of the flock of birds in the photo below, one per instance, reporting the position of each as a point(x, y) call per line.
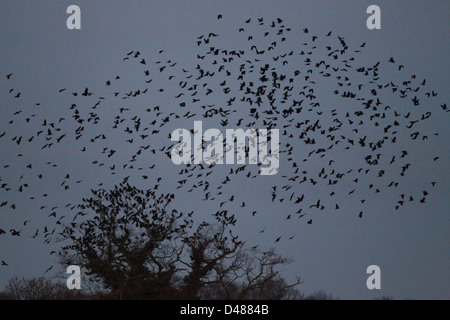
point(344, 127)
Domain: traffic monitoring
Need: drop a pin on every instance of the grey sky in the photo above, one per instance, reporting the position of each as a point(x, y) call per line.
point(410, 245)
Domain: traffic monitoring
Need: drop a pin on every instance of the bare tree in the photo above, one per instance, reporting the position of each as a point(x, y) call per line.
point(137, 248)
point(39, 289)
point(318, 295)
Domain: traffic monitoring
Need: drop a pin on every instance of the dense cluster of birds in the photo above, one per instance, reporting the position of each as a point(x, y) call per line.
point(344, 127)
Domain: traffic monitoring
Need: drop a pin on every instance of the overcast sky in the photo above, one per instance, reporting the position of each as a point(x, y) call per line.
point(411, 245)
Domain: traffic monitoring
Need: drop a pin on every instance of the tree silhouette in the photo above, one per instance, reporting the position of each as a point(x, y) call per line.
point(38, 289)
point(136, 248)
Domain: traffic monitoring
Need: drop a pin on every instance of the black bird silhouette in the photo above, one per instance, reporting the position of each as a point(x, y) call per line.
point(50, 268)
point(14, 232)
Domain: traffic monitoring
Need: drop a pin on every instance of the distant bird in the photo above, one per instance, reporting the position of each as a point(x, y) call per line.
point(50, 268)
point(14, 232)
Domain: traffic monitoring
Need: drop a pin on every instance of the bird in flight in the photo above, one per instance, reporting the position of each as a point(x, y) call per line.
point(50, 268)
